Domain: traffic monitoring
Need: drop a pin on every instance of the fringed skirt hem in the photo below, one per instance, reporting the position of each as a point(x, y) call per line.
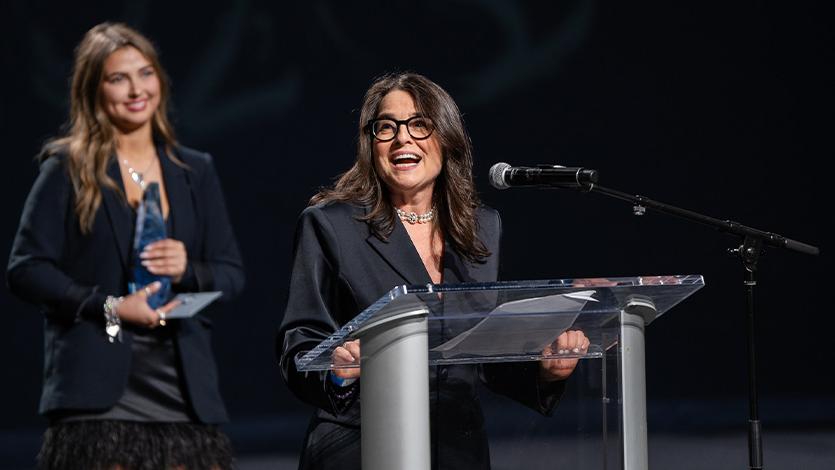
point(129, 445)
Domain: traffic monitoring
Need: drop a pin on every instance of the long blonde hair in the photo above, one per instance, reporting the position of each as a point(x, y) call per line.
point(90, 140)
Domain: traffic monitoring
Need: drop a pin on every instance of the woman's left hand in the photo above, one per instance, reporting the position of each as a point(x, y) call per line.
point(166, 258)
point(569, 342)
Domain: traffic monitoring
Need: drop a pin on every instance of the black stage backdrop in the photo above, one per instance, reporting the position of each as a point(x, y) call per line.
point(723, 109)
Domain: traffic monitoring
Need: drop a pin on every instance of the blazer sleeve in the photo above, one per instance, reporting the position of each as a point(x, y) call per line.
point(520, 380)
point(316, 295)
point(219, 265)
point(34, 272)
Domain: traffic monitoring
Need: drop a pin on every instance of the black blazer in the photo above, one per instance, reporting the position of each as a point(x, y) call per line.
point(339, 269)
point(68, 275)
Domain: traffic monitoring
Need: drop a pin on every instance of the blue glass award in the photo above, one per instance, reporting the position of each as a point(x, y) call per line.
point(150, 227)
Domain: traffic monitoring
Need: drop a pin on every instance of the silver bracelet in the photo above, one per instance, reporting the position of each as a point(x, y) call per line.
point(112, 322)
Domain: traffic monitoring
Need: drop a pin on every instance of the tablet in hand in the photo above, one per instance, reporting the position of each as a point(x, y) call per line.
point(191, 303)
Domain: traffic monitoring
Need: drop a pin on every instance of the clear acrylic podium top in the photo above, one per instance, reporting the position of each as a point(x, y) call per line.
point(510, 321)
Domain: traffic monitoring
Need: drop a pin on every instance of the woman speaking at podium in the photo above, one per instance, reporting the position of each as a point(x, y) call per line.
point(406, 212)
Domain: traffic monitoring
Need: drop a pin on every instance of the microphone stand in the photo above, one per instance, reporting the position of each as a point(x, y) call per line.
point(748, 252)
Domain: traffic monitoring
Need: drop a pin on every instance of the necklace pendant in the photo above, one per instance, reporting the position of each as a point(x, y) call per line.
point(414, 218)
point(137, 176)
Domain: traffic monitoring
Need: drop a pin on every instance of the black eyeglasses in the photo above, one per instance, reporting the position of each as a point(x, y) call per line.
point(385, 129)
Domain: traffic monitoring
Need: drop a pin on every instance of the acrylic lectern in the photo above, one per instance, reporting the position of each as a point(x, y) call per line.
point(414, 327)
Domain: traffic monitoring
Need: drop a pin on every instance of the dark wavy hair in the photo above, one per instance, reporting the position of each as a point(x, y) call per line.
point(454, 196)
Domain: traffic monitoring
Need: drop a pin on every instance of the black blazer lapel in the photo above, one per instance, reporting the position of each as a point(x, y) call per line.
point(118, 213)
point(178, 191)
point(454, 269)
point(400, 253)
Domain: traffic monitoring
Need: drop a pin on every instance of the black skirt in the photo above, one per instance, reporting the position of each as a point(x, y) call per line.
point(150, 427)
point(131, 445)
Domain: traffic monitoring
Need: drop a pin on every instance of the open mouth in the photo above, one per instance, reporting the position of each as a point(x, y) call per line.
point(136, 105)
point(405, 160)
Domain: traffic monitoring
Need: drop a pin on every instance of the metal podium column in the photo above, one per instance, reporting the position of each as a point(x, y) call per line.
point(395, 393)
point(634, 316)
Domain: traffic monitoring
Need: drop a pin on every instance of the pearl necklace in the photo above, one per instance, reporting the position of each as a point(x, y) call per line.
point(414, 218)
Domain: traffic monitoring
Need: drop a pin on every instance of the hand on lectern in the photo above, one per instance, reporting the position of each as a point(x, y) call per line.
point(569, 343)
point(347, 354)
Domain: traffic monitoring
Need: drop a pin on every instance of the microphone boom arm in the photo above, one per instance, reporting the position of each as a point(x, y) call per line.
point(749, 253)
point(727, 226)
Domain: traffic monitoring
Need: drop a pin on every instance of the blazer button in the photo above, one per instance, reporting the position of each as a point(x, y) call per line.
point(443, 372)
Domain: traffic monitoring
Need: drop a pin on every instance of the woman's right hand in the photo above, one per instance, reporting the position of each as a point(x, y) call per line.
point(135, 309)
point(348, 353)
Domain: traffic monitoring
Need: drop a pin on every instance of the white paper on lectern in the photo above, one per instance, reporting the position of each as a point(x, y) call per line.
point(539, 322)
point(191, 303)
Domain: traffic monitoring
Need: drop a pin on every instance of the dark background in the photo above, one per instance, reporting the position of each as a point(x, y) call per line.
point(725, 109)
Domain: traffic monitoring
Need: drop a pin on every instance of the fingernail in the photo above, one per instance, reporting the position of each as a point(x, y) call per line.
point(145, 263)
point(576, 350)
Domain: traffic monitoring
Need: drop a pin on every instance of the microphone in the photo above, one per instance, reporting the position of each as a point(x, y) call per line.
point(503, 176)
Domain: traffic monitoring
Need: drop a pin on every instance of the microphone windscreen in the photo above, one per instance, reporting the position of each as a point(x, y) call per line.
point(497, 175)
